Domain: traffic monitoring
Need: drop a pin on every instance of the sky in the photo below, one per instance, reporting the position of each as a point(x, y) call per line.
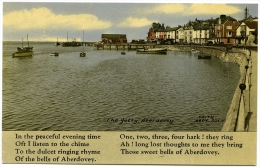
point(49, 21)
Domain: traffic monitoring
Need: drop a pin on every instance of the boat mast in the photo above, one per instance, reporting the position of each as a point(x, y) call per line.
point(27, 40)
point(83, 42)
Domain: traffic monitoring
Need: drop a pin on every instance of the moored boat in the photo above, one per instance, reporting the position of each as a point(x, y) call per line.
point(152, 51)
point(204, 56)
point(57, 43)
point(24, 51)
point(82, 54)
point(70, 43)
point(194, 51)
point(54, 54)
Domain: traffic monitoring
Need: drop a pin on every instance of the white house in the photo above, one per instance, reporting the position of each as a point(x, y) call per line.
point(180, 35)
point(171, 34)
point(188, 34)
point(201, 36)
point(244, 30)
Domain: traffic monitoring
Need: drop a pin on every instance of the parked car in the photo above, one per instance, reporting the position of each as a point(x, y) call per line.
point(210, 43)
point(138, 41)
point(228, 47)
point(167, 42)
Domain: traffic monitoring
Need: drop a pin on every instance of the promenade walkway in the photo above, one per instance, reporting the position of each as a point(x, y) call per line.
point(250, 94)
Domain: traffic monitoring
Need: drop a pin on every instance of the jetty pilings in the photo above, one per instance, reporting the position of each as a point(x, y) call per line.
point(122, 46)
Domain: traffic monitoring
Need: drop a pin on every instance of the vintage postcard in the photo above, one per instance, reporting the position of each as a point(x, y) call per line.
point(136, 83)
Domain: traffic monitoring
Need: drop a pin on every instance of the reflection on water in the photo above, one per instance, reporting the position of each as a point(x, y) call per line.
point(107, 91)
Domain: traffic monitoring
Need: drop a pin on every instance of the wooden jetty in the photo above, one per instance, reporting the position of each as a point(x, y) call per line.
point(122, 46)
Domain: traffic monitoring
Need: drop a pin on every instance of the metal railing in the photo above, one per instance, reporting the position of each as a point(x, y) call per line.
point(242, 122)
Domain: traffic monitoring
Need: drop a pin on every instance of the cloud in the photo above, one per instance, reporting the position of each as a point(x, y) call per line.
point(166, 8)
point(43, 18)
point(135, 22)
point(169, 8)
point(192, 9)
point(212, 9)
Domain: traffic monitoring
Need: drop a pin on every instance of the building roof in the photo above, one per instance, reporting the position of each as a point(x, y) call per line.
point(224, 19)
point(161, 30)
point(251, 25)
point(113, 36)
point(172, 28)
point(202, 27)
point(168, 29)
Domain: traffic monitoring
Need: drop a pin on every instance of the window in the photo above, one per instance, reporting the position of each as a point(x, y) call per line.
point(229, 34)
point(243, 27)
point(218, 34)
point(229, 27)
point(228, 40)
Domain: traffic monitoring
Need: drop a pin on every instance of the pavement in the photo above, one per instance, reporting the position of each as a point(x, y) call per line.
point(250, 94)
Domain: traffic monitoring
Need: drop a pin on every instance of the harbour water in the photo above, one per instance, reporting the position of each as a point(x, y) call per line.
point(107, 91)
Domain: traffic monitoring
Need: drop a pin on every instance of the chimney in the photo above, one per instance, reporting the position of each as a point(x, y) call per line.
point(222, 16)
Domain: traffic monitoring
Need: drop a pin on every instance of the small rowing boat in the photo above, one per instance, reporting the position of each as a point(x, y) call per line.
point(54, 54)
point(152, 51)
point(204, 56)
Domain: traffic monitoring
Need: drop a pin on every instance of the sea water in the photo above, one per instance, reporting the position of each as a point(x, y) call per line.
point(107, 91)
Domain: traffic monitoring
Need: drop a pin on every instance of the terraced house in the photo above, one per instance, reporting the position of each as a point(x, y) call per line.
point(225, 29)
point(180, 35)
point(188, 32)
point(161, 34)
point(171, 34)
point(203, 31)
